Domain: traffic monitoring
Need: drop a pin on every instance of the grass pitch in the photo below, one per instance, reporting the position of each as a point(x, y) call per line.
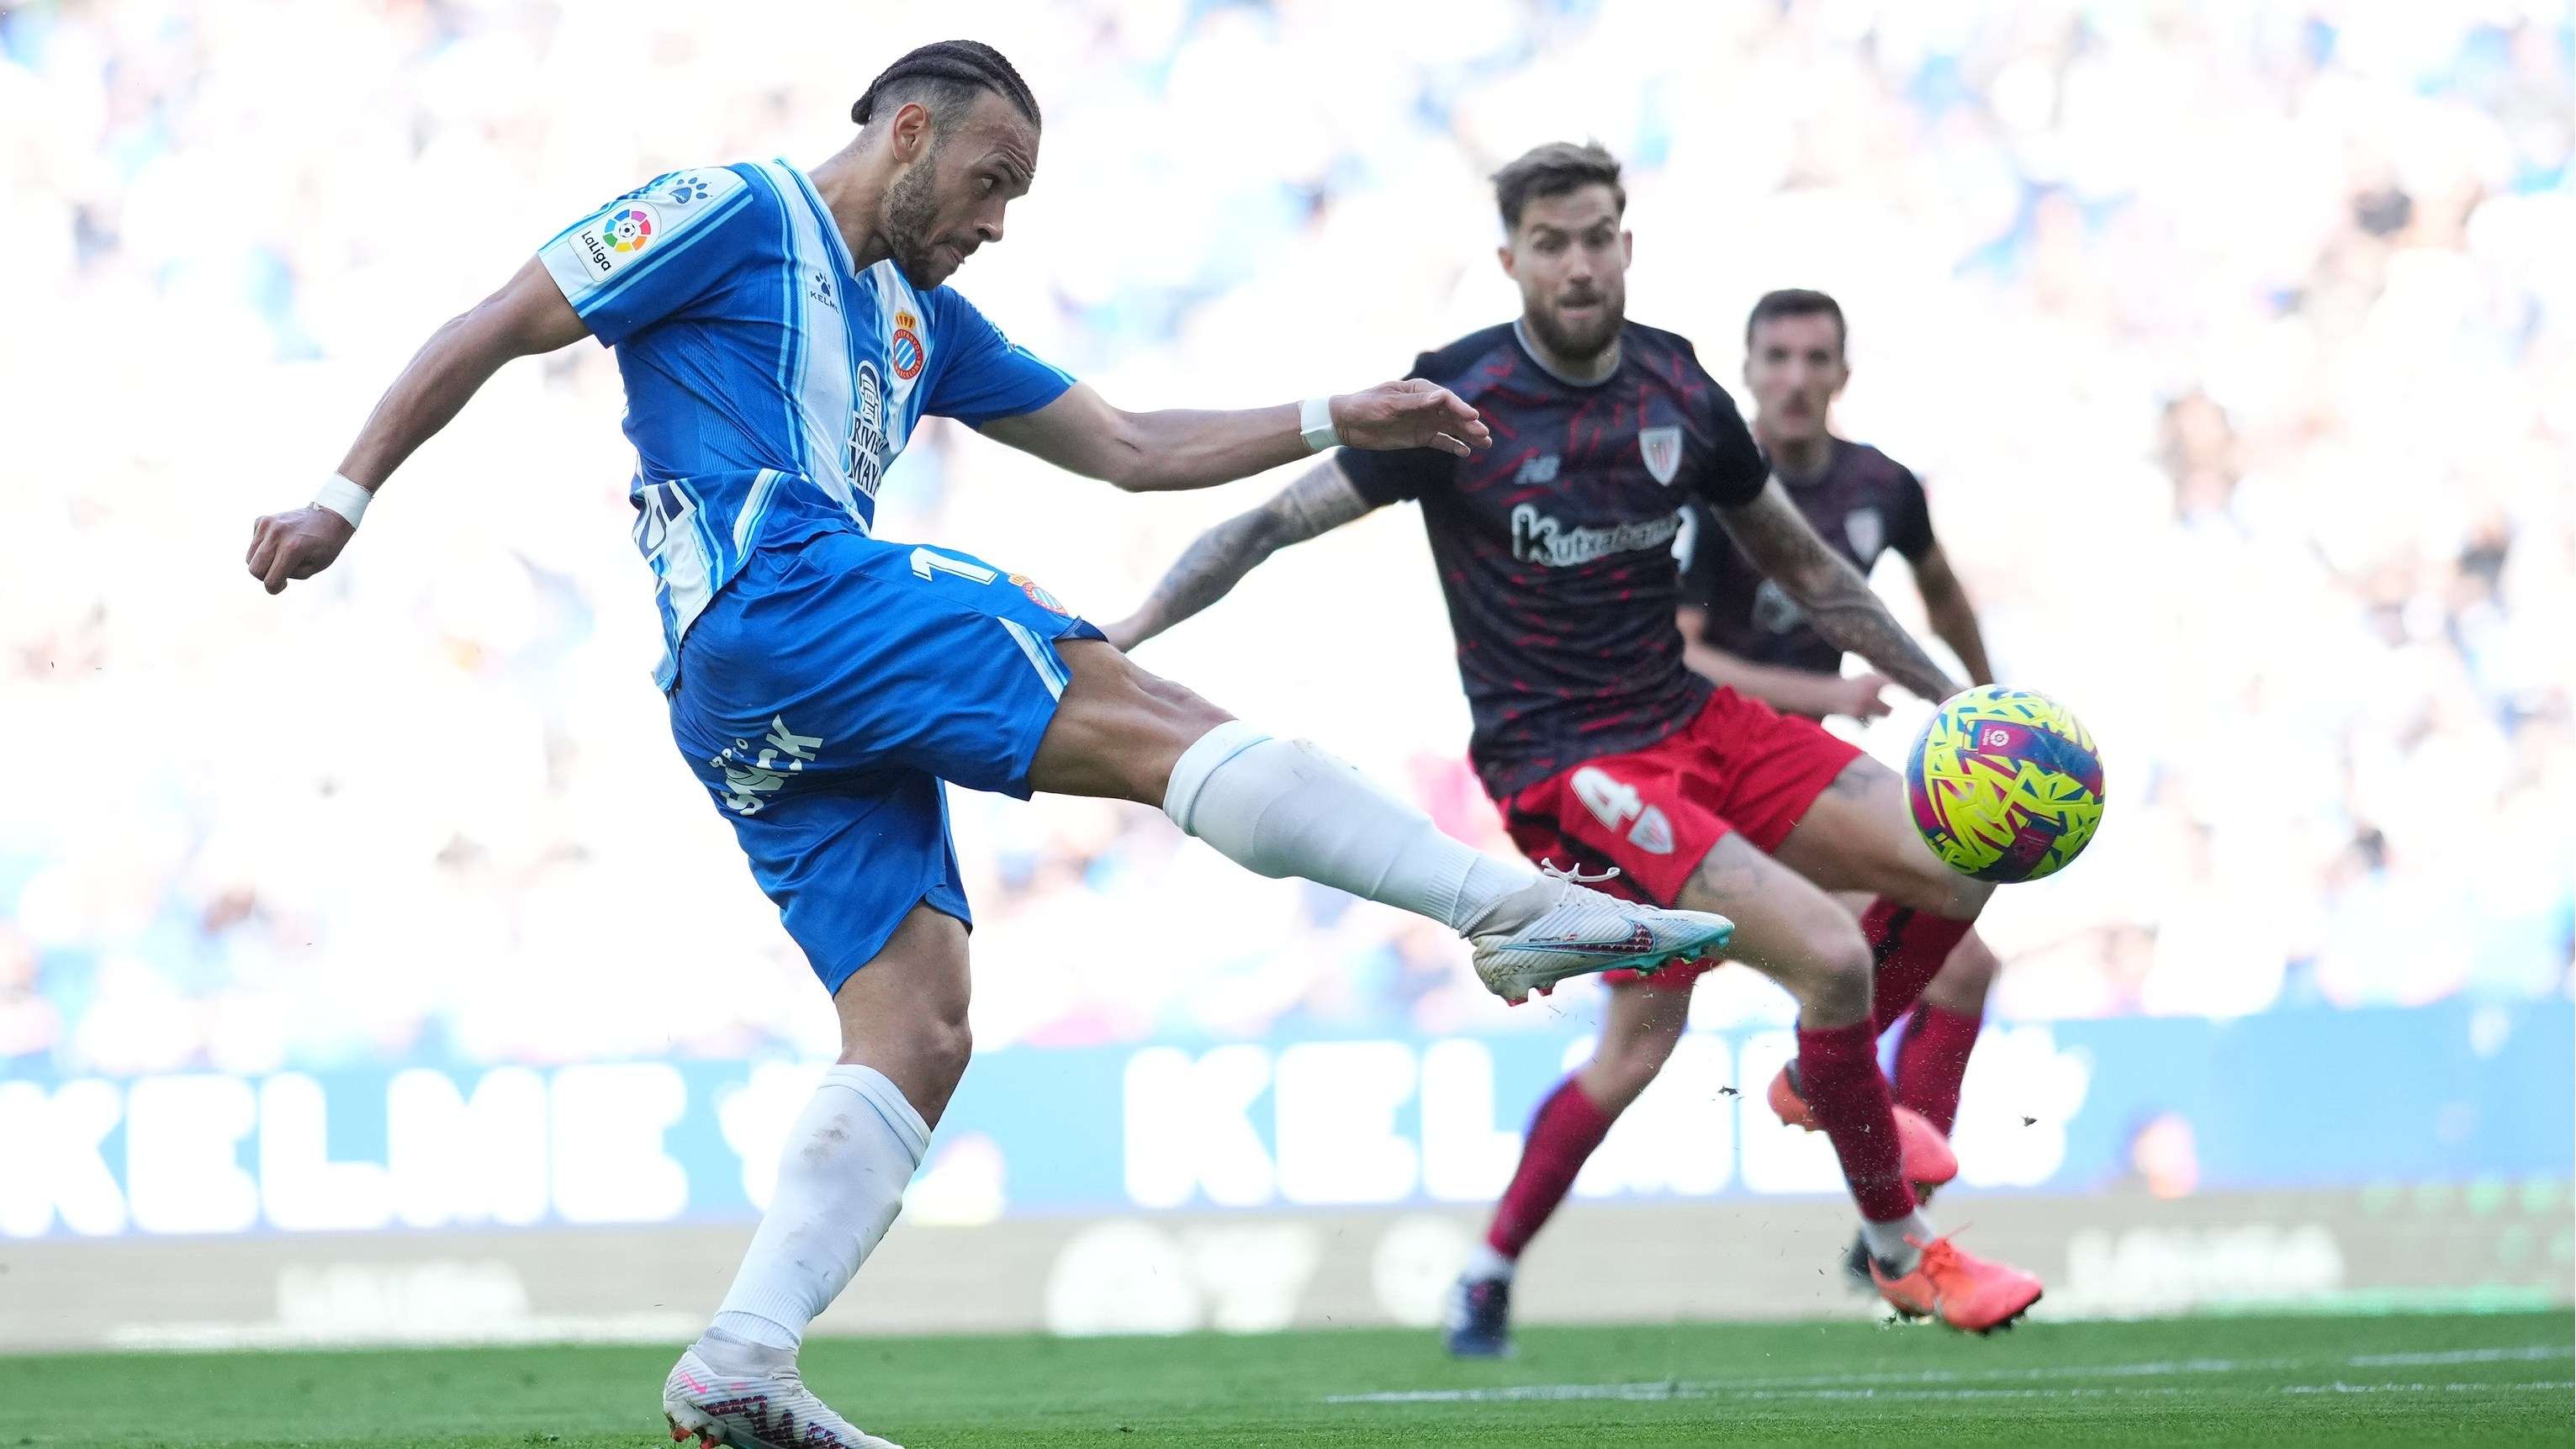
point(2453, 1380)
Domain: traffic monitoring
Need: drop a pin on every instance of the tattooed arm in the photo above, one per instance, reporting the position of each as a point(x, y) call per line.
point(1321, 500)
point(1777, 538)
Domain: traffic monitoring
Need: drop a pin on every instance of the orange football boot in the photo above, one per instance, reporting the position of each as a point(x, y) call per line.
point(1967, 1293)
point(1923, 1154)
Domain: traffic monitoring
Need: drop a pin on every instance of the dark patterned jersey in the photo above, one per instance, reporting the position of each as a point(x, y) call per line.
point(1555, 546)
point(1862, 504)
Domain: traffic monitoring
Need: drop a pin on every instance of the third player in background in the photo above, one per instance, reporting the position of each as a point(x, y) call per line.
point(1742, 630)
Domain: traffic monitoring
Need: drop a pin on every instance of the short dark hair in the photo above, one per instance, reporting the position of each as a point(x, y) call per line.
point(1553, 170)
point(942, 75)
point(1797, 302)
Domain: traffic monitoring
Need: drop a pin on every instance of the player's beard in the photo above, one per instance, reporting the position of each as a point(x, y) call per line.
point(1580, 345)
point(912, 214)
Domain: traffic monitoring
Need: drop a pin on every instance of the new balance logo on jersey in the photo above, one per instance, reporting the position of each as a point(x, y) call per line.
point(1540, 539)
point(751, 779)
point(1541, 469)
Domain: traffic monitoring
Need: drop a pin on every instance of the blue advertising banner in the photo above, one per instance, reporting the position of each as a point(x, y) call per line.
point(2300, 1099)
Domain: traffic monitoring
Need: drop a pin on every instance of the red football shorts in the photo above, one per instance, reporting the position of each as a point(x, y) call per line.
point(1655, 813)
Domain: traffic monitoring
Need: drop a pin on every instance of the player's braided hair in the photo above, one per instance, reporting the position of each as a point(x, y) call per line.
point(942, 74)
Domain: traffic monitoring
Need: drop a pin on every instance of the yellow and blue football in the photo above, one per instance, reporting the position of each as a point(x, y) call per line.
point(2005, 784)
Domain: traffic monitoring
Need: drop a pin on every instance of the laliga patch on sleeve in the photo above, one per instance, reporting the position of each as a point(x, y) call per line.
point(620, 234)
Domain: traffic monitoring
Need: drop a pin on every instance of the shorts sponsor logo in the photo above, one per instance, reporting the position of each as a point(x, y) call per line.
point(750, 779)
point(1541, 539)
point(1663, 449)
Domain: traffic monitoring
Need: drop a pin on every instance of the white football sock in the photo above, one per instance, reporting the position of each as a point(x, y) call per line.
point(1286, 807)
point(840, 1184)
point(1485, 1265)
point(1887, 1240)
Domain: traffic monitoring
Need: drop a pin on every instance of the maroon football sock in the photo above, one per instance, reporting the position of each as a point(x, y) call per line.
point(1931, 1058)
point(1838, 1076)
point(1567, 1127)
point(1908, 947)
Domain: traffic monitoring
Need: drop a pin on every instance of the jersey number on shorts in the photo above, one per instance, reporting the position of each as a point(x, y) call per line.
point(1615, 803)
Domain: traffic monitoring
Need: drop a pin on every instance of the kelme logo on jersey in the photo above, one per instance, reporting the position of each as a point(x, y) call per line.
point(1663, 449)
point(866, 462)
point(905, 350)
point(618, 236)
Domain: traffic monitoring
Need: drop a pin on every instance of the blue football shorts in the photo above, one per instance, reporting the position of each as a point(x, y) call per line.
point(825, 694)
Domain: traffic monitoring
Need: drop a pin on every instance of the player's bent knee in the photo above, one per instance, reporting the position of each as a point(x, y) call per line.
point(1965, 978)
point(1832, 977)
point(1924, 883)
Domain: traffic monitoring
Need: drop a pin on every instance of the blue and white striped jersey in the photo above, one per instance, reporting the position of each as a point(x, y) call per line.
point(768, 383)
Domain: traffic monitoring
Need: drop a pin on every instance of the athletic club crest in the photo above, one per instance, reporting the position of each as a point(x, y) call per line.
point(1663, 449)
point(1867, 532)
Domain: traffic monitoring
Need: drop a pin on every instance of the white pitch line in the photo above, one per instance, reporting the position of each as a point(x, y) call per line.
point(1673, 1392)
point(1894, 1385)
point(2462, 1355)
point(2442, 1388)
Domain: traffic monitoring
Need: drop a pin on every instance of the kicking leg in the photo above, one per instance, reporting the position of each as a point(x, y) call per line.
point(1645, 1020)
point(1287, 808)
point(841, 1178)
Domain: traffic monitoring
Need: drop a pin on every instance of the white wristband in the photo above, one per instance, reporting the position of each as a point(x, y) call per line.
point(344, 498)
point(1315, 423)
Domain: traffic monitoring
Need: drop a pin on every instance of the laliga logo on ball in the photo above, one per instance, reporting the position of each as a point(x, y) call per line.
point(2005, 784)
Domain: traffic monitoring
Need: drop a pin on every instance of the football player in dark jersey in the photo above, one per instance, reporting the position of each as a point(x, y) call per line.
point(1743, 631)
point(1604, 750)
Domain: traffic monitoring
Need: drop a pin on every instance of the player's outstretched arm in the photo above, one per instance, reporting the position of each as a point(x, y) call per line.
point(1321, 500)
point(1178, 448)
point(1945, 603)
point(1797, 691)
point(527, 316)
point(1780, 542)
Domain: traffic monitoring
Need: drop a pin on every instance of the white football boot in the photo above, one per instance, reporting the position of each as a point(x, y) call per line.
point(1558, 926)
point(769, 1409)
